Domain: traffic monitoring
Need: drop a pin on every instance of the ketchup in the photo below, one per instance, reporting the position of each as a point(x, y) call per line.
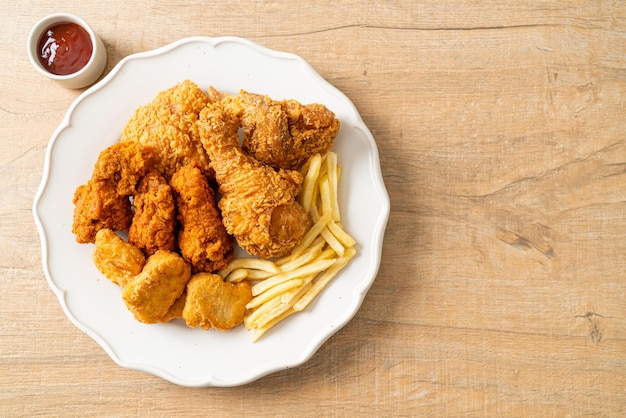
point(64, 48)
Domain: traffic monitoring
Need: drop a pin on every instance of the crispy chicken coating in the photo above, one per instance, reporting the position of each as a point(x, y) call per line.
point(154, 222)
point(202, 239)
point(150, 294)
point(97, 205)
point(213, 303)
point(176, 310)
point(312, 128)
point(167, 126)
point(103, 201)
point(283, 134)
point(115, 258)
point(258, 203)
point(123, 164)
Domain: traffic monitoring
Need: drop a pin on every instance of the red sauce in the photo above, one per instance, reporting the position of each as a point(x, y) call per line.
point(64, 48)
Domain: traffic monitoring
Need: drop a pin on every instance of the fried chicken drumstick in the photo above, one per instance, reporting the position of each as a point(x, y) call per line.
point(258, 203)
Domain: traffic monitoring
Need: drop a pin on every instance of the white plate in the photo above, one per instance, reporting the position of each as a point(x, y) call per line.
point(193, 357)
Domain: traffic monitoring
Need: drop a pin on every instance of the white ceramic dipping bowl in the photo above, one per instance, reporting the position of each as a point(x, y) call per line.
point(81, 78)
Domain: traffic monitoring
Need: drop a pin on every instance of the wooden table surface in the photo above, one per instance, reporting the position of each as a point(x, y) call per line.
point(501, 128)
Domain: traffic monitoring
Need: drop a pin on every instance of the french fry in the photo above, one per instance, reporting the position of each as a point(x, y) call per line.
point(306, 196)
point(331, 164)
point(249, 263)
point(325, 198)
point(324, 279)
point(341, 235)
point(332, 241)
point(288, 264)
point(310, 236)
point(258, 332)
point(274, 291)
point(307, 269)
point(276, 306)
point(327, 254)
point(251, 319)
point(274, 312)
point(237, 275)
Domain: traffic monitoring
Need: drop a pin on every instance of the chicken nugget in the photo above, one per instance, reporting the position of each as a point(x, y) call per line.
point(154, 221)
point(150, 294)
point(176, 310)
point(213, 303)
point(115, 258)
point(97, 205)
point(202, 239)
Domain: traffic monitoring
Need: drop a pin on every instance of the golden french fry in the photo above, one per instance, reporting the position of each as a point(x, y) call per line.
point(307, 269)
point(258, 275)
point(306, 195)
point(236, 275)
point(324, 279)
point(332, 241)
point(251, 319)
point(272, 292)
point(331, 164)
point(325, 197)
point(327, 254)
point(310, 236)
point(271, 314)
point(249, 263)
point(287, 301)
point(288, 264)
point(341, 235)
point(258, 332)
point(271, 309)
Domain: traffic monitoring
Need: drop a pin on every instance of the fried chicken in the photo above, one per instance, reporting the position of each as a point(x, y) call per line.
point(115, 258)
point(123, 164)
point(213, 303)
point(203, 240)
point(150, 294)
point(258, 203)
point(154, 222)
point(312, 128)
point(283, 134)
point(103, 201)
point(167, 126)
point(176, 310)
point(97, 205)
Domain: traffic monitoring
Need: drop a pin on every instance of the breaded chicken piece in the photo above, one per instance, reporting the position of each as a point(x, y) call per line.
point(176, 310)
point(154, 221)
point(213, 303)
point(115, 258)
point(202, 239)
point(312, 128)
point(123, 164)
point(97, 205)
point(150, 294)
point(103, 202)
point(258, 203)
point(167, 126)
point(283, 134)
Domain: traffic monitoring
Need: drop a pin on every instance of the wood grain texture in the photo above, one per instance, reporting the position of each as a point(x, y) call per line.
point(501, 128)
